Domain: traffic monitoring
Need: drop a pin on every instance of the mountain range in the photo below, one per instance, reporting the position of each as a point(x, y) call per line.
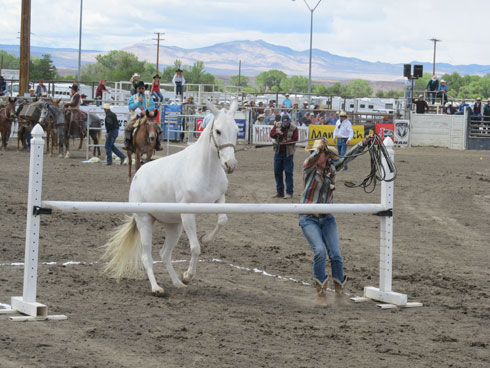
point(256, 57)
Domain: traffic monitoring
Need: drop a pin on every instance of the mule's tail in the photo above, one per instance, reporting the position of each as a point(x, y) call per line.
point(123, 251)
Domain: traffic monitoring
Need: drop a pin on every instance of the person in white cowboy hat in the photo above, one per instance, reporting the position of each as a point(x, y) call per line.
point(442, 92)
point(134, 81)
point(343, 133)
point(112, 131)
point(319, 172)
point(431, 88)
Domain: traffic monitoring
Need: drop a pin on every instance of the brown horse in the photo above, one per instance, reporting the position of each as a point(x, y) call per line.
point(144, 141)
point(7, 115)
point(50, 116)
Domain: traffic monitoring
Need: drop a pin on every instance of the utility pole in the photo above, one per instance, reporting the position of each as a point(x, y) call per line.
point(239, 71)
point(80, 43)
point(158, 46)
point(435, 40)
point(25, 46)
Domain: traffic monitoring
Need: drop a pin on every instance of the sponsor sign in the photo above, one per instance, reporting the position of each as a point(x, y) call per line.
point(385, 130)
point(199, 126)
point(121, 112)
point(320, 131)
point(242, 124)
point(402, 129)
point(261, 135)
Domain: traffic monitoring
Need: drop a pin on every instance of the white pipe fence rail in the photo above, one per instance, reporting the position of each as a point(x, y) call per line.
point(36, 207)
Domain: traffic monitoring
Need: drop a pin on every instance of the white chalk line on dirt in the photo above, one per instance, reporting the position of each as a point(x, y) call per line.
point(214, 260)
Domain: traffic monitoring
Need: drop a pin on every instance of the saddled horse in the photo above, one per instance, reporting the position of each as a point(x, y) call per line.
point(7, 116)
point(144, 141)
point(77, 129)
point(196, 174)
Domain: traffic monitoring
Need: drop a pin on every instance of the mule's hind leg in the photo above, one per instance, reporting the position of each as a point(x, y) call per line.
point(189, 223)
point(172, 236)
point(222, 220)
point(145, 227)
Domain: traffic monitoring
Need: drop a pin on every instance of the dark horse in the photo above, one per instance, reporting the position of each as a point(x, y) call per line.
point(144, 141)
point(7, 115)
point(77, 128)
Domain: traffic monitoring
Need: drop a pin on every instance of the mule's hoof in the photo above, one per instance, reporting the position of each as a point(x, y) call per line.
point(185, 278)
point(159, 293)
point(205, 239)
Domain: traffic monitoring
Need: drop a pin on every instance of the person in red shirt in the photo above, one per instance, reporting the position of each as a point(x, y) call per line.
point(155, 89)
point(101, 88)
point(285, 134)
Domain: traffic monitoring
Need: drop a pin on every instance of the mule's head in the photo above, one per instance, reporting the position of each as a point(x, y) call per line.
point(223, 135)
point(10, 110)
point(151, 125)
point(44, 113)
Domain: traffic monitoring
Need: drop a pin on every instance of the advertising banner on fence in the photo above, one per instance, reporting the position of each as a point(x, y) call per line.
point(261, 135)
point(320, 131)
point(384, 130)
point(402, 128)
point(121, 112)
point(199, 126)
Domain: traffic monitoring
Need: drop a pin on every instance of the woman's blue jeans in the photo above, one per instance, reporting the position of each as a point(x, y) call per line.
point(323, 237)
point(157, 96)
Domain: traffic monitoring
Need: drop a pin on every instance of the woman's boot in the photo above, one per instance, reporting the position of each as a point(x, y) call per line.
point(321, 292)
point(340, 291)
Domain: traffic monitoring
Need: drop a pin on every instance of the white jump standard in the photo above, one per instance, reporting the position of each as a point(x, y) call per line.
point(27, 304)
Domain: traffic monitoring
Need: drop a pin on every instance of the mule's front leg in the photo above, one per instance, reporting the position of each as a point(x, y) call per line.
point(222, 220)
point(145, 227)
point(189, 223)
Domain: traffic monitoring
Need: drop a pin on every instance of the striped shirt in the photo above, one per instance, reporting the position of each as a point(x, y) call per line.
point(318, 185)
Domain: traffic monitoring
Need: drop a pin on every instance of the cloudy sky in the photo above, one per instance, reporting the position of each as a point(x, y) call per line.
point(396, 31)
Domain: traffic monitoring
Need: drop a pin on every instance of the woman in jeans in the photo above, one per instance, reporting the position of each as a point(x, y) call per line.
point(320, 230)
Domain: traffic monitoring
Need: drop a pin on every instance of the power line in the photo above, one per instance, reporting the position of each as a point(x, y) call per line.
point(435, 40)
point(158, 45)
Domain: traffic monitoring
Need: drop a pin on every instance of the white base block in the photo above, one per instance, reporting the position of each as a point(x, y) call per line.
point(56, 317)
point(33, 309)
point(359, 299)
point(385, 296)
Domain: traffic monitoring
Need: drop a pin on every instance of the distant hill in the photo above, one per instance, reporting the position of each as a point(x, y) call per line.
point(256, 56)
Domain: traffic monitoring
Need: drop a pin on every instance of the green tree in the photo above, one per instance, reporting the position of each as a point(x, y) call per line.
point(9, 60)
point(359, 88)
point(233, 81)
point(380, 93)
point(319, 89)
point(337, 89)
point(116, 66)
point(270, 79)
point(294, 84)
point(42, 68)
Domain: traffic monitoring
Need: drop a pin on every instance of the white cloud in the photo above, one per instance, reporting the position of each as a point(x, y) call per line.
point(374, 30)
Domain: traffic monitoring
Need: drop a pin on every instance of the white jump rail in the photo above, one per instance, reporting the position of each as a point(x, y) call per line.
point(27, 304)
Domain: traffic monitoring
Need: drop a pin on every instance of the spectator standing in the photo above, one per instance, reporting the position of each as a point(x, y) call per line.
point(260, 109)
point(101, 88)
point(332, 120)
point(112, 131)
point(462, 106)
point(343, 133)
point(431, 88)
point(442, 92)
point(272, 105)
point(285, 135)
point(178, 80)
point(320, 230)
point(3, 86)
point(486, 111)
point(287, 103)
point(421, 107)
point(306, 120)
point(134, 82)
point(41, 88)
point(155, 89)
point(476, 109)
point(260, 119)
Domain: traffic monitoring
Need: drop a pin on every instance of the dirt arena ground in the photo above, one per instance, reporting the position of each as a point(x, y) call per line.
point(236, 315)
